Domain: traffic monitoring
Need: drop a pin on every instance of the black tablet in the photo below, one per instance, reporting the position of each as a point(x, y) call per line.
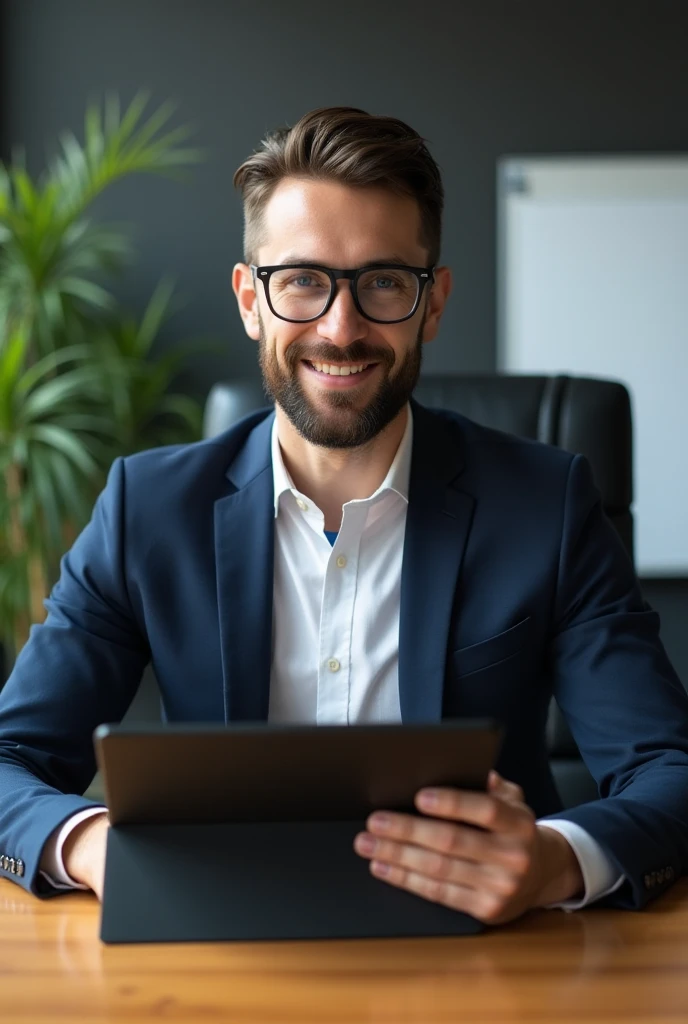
point(209, 773)
point(246, 832)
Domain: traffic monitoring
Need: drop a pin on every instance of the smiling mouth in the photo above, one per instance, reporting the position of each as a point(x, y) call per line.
point(338, 369)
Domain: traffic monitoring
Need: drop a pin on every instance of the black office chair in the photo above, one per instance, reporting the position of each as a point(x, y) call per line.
point(592, 417)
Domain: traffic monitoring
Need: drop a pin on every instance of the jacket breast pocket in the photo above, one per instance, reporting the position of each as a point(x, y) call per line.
point(492, 651)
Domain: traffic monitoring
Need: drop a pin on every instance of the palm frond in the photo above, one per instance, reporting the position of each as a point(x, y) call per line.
point(115, 146)
point(67, 442)
point(49, 397)
point(78, 382)
point(157, 311)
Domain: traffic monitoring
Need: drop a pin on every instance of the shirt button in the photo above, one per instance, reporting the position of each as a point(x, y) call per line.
point(341, 562)
point(302, 504)
point(333, 665)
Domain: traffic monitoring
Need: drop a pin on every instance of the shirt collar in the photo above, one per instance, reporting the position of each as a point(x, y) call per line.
point(397, 478)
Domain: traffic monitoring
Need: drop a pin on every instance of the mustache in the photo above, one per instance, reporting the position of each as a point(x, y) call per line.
point(356, 352)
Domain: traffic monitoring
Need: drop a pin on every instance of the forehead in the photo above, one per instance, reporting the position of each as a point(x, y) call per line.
point(338, 225)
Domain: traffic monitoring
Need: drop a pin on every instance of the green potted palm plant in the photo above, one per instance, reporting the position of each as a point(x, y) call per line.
point(79, 383)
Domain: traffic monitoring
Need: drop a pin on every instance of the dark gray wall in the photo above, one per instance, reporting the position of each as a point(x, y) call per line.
point(478, 78)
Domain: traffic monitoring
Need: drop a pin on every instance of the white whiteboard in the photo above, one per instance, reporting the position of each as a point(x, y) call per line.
point(593, 281)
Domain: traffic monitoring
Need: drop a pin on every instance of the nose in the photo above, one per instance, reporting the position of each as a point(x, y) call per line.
point(342, 323)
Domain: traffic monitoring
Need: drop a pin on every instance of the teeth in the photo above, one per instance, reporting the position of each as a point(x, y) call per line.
point(339, 371)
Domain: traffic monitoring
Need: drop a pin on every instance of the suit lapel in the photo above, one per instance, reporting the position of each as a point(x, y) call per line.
point(244, 551)
point(437, 526)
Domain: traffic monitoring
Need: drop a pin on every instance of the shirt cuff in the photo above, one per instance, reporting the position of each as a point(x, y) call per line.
point(52, 865)
point(599, 874)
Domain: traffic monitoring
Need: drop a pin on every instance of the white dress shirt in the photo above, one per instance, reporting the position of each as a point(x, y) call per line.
point(335, 640)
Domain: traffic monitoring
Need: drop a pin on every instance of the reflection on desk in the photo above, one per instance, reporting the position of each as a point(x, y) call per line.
point(592, 966)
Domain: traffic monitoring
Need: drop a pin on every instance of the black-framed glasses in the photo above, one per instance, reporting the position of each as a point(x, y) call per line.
point(385, 293)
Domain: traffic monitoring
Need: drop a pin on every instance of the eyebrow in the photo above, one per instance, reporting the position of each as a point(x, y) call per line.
point(301, 259)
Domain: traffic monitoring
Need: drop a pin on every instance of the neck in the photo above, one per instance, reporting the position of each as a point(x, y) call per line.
point(332, 476)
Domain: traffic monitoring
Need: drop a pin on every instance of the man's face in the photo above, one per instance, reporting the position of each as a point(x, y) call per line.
point(339, 227)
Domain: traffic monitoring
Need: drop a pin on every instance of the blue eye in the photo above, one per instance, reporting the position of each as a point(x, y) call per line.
point(304, 281)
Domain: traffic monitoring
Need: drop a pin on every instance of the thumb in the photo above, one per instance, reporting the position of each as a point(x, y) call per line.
point(502, 788)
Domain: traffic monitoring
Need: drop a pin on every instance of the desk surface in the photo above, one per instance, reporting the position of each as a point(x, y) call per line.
point(595, 966)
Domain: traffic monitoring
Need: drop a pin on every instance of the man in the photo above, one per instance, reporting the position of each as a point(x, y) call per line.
point(357, 558)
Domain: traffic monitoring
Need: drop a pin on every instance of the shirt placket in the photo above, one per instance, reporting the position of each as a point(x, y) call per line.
point(336, 619)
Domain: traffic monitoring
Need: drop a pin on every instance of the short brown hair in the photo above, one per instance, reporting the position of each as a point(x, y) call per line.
point(349, 146)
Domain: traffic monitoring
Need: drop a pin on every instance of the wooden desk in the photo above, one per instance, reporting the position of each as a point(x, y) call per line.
point(595, 966)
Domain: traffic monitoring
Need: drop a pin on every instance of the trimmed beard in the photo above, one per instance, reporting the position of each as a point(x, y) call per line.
point(360, 426)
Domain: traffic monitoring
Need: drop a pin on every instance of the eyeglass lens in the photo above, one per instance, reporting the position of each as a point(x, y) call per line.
point(301, 294)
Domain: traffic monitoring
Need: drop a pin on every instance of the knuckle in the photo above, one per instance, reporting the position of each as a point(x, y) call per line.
point(466, 843)
point(445, 838)
point(491, 813)
point(490, 907)
point(508, 887)
point(519, 861)
point(434, 890)
point(460, 899)
point(440, 866)
point(397, 876)
point(387, 851)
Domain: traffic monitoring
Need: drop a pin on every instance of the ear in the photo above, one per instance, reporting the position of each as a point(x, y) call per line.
point(247, 299)
point(437, 300)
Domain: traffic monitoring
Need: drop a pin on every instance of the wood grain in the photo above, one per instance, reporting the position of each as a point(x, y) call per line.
point(597, 966)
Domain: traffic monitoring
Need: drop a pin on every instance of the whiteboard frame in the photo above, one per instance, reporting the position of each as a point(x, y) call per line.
point(617, 176)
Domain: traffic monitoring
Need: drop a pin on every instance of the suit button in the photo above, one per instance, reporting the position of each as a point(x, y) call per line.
point(669, 874)
point(13, 866)
point(3, 862)
point(20, 868)
point(660, 877)
point(648, 881)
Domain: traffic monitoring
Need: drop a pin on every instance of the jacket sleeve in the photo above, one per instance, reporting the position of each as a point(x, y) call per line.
point(624, 703)
point(80, 668)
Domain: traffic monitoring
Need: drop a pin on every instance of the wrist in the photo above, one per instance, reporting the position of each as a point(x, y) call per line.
point(561, 877)
point(81, 848)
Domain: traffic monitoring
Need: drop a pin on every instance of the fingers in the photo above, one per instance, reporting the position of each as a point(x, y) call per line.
point(493, 873)
point(483, 903)
point(499, 811)
point(503, 825)
point(443, 838)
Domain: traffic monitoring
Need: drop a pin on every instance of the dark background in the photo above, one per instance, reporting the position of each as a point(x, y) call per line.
point(477, 78)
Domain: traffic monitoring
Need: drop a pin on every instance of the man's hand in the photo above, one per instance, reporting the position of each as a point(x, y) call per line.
point(83, 853)
point(480, 853)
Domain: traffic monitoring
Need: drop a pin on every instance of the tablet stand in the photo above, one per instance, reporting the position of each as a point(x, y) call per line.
point(250, 881)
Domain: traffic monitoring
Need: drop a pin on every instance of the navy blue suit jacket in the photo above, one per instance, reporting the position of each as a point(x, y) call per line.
point(514, 586)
